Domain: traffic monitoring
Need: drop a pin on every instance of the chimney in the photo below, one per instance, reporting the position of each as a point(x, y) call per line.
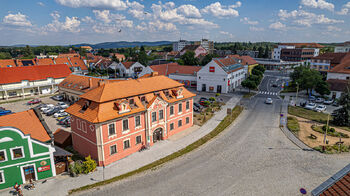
point(90, 83)
point(154, 74)
point(101, 82)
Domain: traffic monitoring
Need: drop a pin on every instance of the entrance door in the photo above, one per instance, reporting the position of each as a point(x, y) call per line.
point(218, 89)
point(157, 135)
point(204, 87)
point(29, 173)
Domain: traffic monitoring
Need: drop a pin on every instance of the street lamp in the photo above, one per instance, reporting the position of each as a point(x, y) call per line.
point(296, 100)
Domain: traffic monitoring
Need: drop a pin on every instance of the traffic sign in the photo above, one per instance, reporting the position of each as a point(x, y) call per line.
point(303, 191)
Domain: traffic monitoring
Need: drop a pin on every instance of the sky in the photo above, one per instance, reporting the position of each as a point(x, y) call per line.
point(62, 22)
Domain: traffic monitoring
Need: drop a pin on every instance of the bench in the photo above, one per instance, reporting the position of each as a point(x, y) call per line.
point(312, 136)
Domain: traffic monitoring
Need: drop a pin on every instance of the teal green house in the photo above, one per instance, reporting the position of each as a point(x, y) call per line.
point(23, 157)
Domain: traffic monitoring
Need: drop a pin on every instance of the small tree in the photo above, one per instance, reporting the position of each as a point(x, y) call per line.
point(341, 117)
point(322, 88)
point(250, 84)
point(89, 165)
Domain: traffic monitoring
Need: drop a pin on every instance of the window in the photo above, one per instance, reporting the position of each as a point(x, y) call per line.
point(138, 139)
point(171, 110)
point(187, 120)
point(187, 105)
point(179, 123)
point(137, 121)
point(3, 156)
point(17, 153)
point(125, 124)
point(154, 116)
point(2, 177)
point(78, 124)
point(111, 129)
point(113, 149)
point(180, 107)
point(161, 114)
point(126, 144)
point(171, 126)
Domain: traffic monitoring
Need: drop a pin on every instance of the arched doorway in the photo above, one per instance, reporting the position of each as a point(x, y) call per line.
point(157, 135)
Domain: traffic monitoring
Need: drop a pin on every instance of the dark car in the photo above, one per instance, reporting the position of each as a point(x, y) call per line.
point(63, 121)
point(202, 101)
point(5, 112)
point(274, 85)
point(198, 105)
point(335, 103)
point(56, 109)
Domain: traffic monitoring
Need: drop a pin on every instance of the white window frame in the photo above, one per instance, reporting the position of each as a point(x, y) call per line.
point(124, 144)
point(2, 173)
point(127, 130)
point(5, 153)
point(83, 127)
point(162, 115)
point(173, 110)
point(78, 124)
point(11, 151)
point(115, 129)
point(154, 120)
point(189, 105)
point(137, 126)
point(136, 140)
point(178, 107)
point(110, 149)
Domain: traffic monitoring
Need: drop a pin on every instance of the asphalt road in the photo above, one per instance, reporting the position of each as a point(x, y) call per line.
point(252, 157)
point(267, 88)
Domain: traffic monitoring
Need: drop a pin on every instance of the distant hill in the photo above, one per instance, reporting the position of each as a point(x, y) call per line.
point(107, 45)
point(124, 44)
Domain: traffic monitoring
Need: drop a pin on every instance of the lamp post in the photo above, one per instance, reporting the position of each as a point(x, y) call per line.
point(325, 133)
point(296, 100)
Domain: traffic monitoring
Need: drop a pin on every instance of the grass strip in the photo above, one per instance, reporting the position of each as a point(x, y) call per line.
point(329, 133)
point(308, 114)
point(227, 121)
point(248, 95)
point(293, 124)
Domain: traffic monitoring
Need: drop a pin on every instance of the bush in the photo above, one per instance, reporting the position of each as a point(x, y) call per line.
point(217, 94)
point(330, 132)
point(212, 99)
point(89, 165)
point(76, 168)
point(206, 103)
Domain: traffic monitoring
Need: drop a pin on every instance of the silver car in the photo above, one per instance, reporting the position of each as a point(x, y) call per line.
point(268, 101)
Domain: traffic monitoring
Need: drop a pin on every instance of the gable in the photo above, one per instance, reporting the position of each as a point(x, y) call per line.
point(207, 69)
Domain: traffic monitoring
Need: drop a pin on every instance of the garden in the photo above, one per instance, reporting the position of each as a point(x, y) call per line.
point(207, 112)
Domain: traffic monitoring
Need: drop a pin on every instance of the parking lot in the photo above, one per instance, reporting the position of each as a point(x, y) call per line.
point(21, 106)
point(329, 108)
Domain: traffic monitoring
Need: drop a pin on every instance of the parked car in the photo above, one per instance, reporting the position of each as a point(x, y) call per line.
point(310, 106)
point(328, 102)
point(196, 109)
point(202, 100)
point(268, 101)
point(319, 100)
point(198, 105)
point(5, 112)
point(40, 106)
point(53, 111)
point(62, 121)
point(312, 98)
point(60, 114)
point(57, 97)
point(320, 108)
point(34, 101)
point(46, 107)
point(335, 103)
point(62, 105)
point(274, 85)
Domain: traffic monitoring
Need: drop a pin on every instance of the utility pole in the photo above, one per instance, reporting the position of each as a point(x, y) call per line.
point(296, 101)
point(325, 133)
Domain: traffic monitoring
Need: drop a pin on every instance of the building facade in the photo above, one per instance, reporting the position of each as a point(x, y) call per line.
point(220, 75)
point(31, 80)
point(127, 69)
point(118, 119)
point(296, 51)
point(206, 44)
point(345, 47)
point(178, 46)
point(197, 49)
point(328, 61)
point(338, 78)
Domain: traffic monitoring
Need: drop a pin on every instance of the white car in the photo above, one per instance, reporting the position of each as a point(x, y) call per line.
point(328, 102)
point(48, 106)
point(310, 106)
point(62, 105)
point(268, 101)
point(319, 100)
point(320, 108)
point(60, 114)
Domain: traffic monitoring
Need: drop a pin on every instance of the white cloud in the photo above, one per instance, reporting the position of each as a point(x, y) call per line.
point(321, 4)
point(218, 10)
point(256, 29)
point(304, 18)
point(41, 4)
point(162, 26)
point(343, 11)
point(87, 19)
point(189, 11)
point(246, 20)
point(17, 20)
point(333, 28)
point(71, 24)
point(347, 5)
point(230, 35)
point(278, 26)
point(101, 4)
point(106, 17)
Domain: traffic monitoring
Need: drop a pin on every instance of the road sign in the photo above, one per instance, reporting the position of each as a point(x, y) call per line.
point(287, 83)
point(303, 191)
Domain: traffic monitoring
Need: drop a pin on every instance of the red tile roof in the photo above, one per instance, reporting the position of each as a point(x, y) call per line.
point(246, 60)
point(28, 122)
point(7, 62)
point(128, 64)
point(45, 61)
point(61, 136)
point(68, 55)
point(171, 68)
point(63, 60)
point(303, 45)
point(335, 58)
point(78, 62)
point(17, 74)
point(343, 67)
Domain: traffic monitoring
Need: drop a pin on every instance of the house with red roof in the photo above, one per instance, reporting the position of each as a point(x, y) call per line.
point(7, 63)
point(329, 60)
point(197, 49)
point(248, 62)
point(338, 78)
point(118, 119)
point(221, 75)
point(127, 68)
point(296, 51)
point(184, 74)
point(31, 80)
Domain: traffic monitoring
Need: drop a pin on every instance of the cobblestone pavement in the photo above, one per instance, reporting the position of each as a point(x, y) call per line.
point(252, 157)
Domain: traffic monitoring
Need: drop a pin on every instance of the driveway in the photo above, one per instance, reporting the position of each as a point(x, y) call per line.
point(252, 157)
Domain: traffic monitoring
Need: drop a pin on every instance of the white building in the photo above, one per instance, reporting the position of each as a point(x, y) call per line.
point(221, 75)
point(339, 78)
point(178, 46)
point(345, 47)
point(127, 69)
point(277, 51)
point(296, 50)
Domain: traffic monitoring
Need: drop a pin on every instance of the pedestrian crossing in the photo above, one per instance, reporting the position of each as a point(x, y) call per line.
point(268, 93)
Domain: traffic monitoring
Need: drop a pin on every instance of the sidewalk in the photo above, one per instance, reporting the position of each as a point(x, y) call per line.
point(286, 131)
point(60, 185)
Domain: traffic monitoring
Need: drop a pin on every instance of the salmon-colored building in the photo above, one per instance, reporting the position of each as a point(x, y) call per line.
point(117, 119)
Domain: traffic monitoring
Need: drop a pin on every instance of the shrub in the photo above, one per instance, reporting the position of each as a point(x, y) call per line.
point(217, 94)
point(89, 165)
point(206, 103)
point(212, 99)
point(77, 167)
point(332, 130)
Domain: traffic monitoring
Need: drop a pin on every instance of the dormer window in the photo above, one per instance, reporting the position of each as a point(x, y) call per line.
point(86, 105)
point(122, 106)
point(131, 101)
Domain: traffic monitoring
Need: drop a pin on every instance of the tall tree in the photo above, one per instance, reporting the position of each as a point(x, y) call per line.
point(28, 53)
point(261, 52)
point(189, 58)
point(341, 117)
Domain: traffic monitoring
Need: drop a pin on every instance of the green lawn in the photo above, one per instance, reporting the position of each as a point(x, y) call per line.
point(293, 124)
point(227, 121)
point(308, 114)
point(333, 134)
